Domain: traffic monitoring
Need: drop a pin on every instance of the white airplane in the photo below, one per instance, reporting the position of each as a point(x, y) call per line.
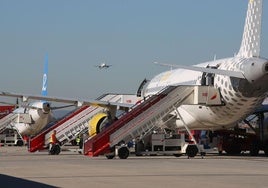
point(39, 112)
point(103, 65)
point(242, 81)
point(34, 116)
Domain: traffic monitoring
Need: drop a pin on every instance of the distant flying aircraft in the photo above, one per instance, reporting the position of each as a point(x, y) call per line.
point(242, 82)
point(103, 65)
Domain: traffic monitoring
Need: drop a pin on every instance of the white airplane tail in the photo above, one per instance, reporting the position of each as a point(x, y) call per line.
point(250, 46)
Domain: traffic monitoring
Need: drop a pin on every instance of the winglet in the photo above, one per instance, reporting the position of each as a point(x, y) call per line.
point(44, 84)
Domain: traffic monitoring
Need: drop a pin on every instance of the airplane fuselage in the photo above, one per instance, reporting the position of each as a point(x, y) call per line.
point(39, 114)
point(241, 96)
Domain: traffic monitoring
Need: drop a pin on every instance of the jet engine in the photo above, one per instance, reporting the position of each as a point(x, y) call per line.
point(96, 123)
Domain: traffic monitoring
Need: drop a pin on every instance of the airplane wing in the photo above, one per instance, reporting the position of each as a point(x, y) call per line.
point(236, 74)
point(76, 102)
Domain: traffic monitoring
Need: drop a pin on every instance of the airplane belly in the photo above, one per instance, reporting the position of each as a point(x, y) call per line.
point(186, 119)
point(215, 117)
point(199, 118)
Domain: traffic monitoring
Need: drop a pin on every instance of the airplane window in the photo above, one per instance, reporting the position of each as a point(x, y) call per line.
point(234, 100)
point(231, 94)
point(226, 98)
point(226, 84)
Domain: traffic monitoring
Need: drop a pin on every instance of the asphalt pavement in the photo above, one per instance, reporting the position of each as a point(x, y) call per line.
point(19, 168)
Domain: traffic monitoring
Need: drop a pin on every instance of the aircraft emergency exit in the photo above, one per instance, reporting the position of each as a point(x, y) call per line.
point(242, 82)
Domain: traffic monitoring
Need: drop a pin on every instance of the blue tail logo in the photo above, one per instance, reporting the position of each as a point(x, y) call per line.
point(44, 85)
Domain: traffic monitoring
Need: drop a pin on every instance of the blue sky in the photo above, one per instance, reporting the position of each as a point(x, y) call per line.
point(130, 35)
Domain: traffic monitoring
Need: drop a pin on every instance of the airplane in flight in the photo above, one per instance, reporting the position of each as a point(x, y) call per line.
point(242, 82)
point(103, 65)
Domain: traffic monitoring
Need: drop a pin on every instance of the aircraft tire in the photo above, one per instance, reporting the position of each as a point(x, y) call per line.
point(19, 143)
point(191, 150)
point(123, 152)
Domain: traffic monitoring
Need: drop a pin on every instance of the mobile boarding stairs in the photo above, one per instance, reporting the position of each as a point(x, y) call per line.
point(72, 124)
point(6, 120)
point(147, 116)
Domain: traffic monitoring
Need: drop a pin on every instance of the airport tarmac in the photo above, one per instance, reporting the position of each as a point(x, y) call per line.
point(18, 168)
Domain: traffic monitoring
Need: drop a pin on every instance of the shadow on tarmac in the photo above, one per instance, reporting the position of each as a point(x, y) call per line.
point(13, 182)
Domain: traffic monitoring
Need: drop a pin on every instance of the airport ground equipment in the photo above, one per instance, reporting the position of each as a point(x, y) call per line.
point(71, 125)
point(10, 136)
point(147, 116)
point(6, 116)
point(162, 144)
point(167, 143)
point(6, 120)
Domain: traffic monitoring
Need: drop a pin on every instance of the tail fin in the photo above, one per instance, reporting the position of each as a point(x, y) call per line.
point(44, 85)
point(250, 46)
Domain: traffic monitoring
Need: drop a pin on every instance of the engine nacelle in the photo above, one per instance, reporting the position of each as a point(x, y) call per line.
point(95, 124)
